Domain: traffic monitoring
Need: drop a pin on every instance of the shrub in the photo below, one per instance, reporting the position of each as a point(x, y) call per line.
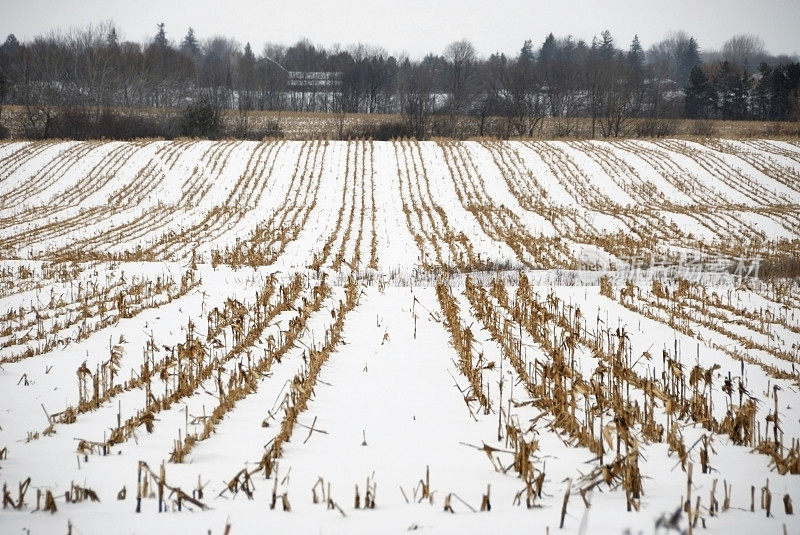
point(269, 129)
point(111, 125)
point(78, 122)
point(200, 119)
point(379, 131)
point(704, 128)
point(656, 127)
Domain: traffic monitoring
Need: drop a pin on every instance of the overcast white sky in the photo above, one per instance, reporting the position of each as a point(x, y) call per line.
point(418, 26)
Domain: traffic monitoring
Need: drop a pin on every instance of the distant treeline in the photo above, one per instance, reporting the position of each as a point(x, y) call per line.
point(88, 83)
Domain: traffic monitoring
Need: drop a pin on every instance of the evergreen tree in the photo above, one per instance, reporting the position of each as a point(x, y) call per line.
point(247, 64)
point(246, 77)
point(11, 45)
point(636, 54)
point(725, 82)
point(761, 93)
point(248, 53)
point(740, 95)
point(687, 54)
point(606, 44)
point(696, 93)
point(111, 37)
point(189, 44)
point(526, 53)
point(200, 119)
point(161, 36)
point(8, 53)
point(549, 50)
point(785, 85)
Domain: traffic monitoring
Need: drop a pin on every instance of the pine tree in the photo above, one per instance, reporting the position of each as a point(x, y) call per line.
point(725, 81)
point(11, 45)
point(526, 53)
point(785, 91)
point(549, 49)
point(740, 94)
point(762, 94)
point(636, 54)
point(247, 65)
point(111, 37)
point(161, 36)
point(189, 44)
point(696, 93)
point(248, 53)
point(606, 44)
point(687, 56)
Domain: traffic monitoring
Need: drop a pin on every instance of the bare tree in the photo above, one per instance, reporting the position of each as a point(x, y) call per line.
point(516, 91)
point(94, 65)
point(679, 53)
point(416, 97)
point(619, 99)
point(460, 57)
point(91, 72)
point(744, 51)
point(219, 60)
point(562, 64)
point(42, 73)
point(245, 83)
point(271, 77)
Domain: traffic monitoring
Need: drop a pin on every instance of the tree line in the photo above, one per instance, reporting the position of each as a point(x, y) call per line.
point(89, 82)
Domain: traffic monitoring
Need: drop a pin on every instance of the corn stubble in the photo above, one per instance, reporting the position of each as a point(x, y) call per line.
point(551, 367)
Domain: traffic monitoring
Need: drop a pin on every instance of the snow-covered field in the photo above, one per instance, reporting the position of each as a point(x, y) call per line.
point(376, 337)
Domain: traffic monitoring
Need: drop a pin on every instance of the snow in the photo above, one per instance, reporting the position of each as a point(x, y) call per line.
point(390, 401)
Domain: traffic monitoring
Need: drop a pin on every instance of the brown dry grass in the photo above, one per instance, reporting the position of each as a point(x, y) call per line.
point(319, 125)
